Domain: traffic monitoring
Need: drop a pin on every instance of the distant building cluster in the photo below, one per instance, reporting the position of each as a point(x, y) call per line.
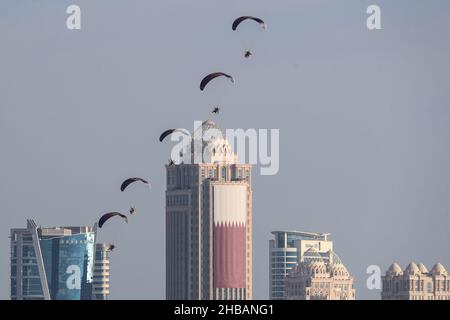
point(303, 266)
point(58, 263)
point(286, 250)
point(416, 283)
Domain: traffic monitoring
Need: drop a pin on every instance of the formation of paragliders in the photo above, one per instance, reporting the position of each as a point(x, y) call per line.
point(247, 54)
point(214, 76)
point(107, 216)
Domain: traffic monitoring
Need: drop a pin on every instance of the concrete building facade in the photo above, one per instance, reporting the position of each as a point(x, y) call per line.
point(316, 278)
point(101, 275)
point(416, 283)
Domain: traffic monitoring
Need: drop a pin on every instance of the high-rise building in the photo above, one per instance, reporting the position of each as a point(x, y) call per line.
point(209, 222)
point(316, 278)
point(286, 250)
point(52, 263)
point(416, 283)
point(100, 282)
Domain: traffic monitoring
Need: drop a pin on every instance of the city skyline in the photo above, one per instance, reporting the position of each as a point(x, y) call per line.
point(363, 119)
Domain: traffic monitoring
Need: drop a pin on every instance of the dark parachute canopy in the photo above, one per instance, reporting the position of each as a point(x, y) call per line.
point(129, 181)
point(169, 132)
point(108, 216)
point(239, 20)
point(212, 76)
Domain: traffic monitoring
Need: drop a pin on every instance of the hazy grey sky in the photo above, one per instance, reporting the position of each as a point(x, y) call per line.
point(363, 117)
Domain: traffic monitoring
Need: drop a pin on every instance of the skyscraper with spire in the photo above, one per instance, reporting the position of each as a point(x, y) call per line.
point(209, 221)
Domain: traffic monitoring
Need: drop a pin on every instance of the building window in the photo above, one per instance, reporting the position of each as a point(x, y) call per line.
point(13, 270)
point(13, 287)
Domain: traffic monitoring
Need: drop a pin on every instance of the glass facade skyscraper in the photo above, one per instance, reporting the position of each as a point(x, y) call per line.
point(52, 263)
point(286, 250)
point(68, 262)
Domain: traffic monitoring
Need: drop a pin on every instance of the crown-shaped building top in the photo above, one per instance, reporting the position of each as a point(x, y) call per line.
point(209, 144)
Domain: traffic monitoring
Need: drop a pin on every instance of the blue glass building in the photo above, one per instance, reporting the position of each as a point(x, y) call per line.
point(52, 263)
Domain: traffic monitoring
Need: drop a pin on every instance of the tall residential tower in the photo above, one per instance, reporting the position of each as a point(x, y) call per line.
point(209, 222)
point(100, 283)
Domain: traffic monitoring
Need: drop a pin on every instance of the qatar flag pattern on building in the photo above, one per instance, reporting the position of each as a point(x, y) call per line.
point(230, 213)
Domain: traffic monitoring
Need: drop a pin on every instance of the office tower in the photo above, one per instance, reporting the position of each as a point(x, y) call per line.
point(52, 263)
point(316, 278)
point(209, 222)
point(416, 283)
point(286, 250)
point(100, 283)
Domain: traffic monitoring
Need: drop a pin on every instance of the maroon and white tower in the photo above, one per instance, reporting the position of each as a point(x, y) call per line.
point(209, 222)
